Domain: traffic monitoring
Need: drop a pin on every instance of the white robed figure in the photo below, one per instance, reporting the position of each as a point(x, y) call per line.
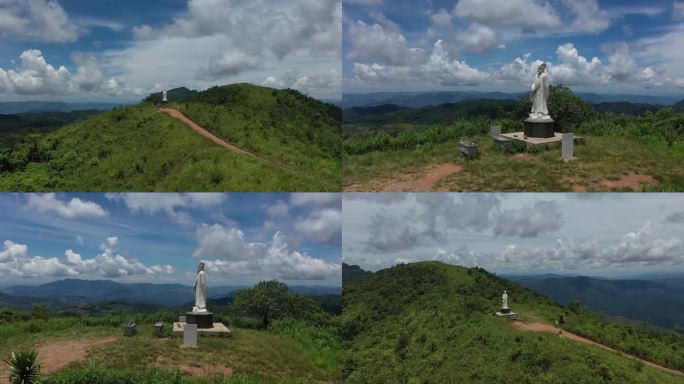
point(504, 300)
point(540, 94)
point(200, 289)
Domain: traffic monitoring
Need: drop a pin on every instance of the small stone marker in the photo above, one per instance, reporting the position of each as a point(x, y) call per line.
point(181, 319)
point(159, 329)
point(190, 336)
point(129, 329)
point(496, 131)
point(568, 150)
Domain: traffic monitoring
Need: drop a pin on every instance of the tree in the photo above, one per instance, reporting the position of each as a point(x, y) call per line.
point(270, 300)
point(564, 106)
point(24, 367)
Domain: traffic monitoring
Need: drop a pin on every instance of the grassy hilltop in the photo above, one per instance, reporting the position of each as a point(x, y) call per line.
point(300, 345)
point(623, 151)
point(136, 148)
point(431, 322)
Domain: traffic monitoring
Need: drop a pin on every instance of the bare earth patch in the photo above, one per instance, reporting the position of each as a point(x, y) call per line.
point(632, 181)
point(57, 355)
point(206, 370)
point(543, 327)
point(423, 181)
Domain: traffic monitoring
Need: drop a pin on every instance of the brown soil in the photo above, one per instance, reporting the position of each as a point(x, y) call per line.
point(543, 327)
point(632, 181)
point(521, 156)
point(206, 370)
point(57, 355)
point(423, 181)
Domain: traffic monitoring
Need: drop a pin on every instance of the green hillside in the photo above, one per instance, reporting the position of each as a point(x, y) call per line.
point(284, 126)
point(137, 148)
point(431, 322)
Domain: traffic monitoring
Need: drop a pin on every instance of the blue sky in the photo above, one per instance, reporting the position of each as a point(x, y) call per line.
point(121, 50)
point(595, 234)
point(602, 46)
point(243, 238)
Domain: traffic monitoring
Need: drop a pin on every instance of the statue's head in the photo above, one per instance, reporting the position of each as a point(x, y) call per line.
point(541, 68)
point(200, 267)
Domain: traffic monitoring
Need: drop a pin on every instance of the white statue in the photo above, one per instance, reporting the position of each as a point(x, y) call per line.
point(200, 289)
point(504, 300)
point(164, 99)
point(540, 94)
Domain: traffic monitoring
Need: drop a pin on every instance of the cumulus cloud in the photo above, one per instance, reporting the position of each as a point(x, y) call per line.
point(233, 254)
point(325, 200)
point(15, 261)
point(228, 64)
point(323, 226)
point(529, 221)
point(588, 16)
point(72, 209)
point(311, 84)
point(35, 76)
point(36, 20)
point(388, 47)
point(476, 38)
point(529, 15)
point(170, 203)
point(678, 9)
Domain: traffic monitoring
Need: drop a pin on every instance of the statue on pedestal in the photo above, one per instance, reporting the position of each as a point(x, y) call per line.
point(540, 94)
point(504, 300)
point(200, 288)
point(164, 98)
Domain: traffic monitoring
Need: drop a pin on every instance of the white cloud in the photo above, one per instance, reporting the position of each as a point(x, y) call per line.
point(323, 226)
point(364, 2)
point(170, 203)
point(36, 20)
point(15, 261)
point(233, 255)
point(74, 208)
point(229, 64)
point(311, 85)
point(383, 46)
point(316, 199)
point(529, 221)
point(529, 15)
point(477, 38)
point(588, 16)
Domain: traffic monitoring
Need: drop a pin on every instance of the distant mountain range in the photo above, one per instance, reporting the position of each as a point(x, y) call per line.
point(422, 99)
point(659, 302)
point(12, 107)
point(353, 272)
point(74, 292)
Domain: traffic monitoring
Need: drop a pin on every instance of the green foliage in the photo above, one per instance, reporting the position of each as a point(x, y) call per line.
point(139, 149)
point(176, 95)
point(434, 323)
point(270, 300)
point(283, 126)
point(564, 106)
point(23, 367)
point(97, 374)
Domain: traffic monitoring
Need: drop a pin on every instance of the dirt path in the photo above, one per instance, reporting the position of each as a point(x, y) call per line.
point(423, 181)
point(179, 116)
point(542, 327)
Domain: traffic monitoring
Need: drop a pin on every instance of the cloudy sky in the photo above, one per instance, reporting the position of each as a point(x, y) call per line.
point(591, 234)
point(611, 46)
point(121, 50)
point(243, 238)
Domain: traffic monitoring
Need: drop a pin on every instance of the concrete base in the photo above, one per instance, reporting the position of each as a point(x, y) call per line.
point(535, 141)
point(204, 320)
point(217, 330)
point(509, 315)
point(538, 128)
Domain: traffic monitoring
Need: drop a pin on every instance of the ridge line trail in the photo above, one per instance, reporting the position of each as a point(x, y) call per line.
point(542, 327)
point(178, 115)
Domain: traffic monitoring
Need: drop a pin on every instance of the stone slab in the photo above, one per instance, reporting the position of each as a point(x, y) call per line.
point(510, 315)
point(496, 131)
point(532, 141)
point(568, 146)
point(190, 336)
point(217, 330)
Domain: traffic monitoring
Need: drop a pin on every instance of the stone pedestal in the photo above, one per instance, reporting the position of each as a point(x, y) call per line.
point(539, 127)
point(505, 310)
point(204, 320)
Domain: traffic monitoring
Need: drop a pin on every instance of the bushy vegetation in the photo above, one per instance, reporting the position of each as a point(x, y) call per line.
point(137, 148)
point(302, 344)
point(389, 146)
point(432, 322)
point(282, 126)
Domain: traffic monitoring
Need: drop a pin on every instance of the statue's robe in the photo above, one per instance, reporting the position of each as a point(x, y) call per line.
point(200, 292)
point(540, 95)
